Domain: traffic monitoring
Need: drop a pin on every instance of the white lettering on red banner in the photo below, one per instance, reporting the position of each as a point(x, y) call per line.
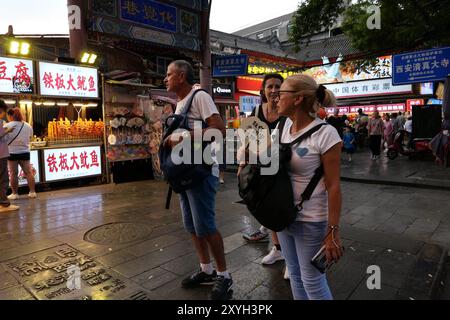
point(414, 102)
point(367, 88)
point(16, 75)
point(67, 81)
point(342, 110)
point(69, 163)
point(390, 107)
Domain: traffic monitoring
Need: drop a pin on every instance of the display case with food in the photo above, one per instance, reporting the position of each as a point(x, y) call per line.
point(78, 131)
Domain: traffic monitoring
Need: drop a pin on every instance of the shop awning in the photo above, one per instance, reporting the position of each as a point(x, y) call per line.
point(252, 92)
point(225, 101)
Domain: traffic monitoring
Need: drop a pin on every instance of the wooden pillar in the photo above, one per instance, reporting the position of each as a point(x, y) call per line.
point(205, 51)
point(77, 30)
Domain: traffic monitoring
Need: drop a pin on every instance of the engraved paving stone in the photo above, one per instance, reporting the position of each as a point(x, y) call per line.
point(118, 233)
point(62, 273)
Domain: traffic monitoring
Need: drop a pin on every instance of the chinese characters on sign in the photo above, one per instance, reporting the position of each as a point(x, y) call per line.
point(414, 102)
point(342, 110)
point(67, 81)
point(421, 66)
point(47, 275)
point(256, 68)
point(16, 75)
point(351, 71)
point(247, 103)
point(367, 88)
point(69, 163)
point(391, 107)
point(233, 65)
point(150, 13)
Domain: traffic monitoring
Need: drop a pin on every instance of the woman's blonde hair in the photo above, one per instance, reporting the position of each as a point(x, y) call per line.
point(309, 89)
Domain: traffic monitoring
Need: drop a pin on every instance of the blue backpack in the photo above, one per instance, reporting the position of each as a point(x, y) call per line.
point(184, 176)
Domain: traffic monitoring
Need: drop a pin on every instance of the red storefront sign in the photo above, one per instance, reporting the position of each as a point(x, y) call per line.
point(249, 85)
point(390, 107)
point(70, 163)
point(342, 110)
point(414, 102)
point(16, 75)
point(67, 80)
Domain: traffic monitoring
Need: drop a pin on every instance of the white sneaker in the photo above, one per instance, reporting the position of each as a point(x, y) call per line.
point(32, 195)
point(273, 256)
point(286, 273)
point(9, 208)
point(13, 196)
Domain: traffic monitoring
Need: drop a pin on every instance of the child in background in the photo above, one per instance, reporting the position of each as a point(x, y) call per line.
point(349, 142)
point(5, 205)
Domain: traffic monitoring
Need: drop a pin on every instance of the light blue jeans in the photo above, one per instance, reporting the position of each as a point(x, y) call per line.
point(299, 243)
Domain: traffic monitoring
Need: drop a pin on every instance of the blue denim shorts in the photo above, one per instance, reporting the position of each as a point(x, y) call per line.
point(198, 207)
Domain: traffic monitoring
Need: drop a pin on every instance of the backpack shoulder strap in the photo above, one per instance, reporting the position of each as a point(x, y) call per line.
point(281, 124)
point(188, 104)
point(257, 108)
point(318, 173)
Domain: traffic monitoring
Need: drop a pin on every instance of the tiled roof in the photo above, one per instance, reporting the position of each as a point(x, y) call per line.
point(281, 21)
point(234, 41)
point(330, 47)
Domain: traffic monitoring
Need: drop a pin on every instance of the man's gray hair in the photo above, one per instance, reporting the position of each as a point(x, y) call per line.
point(186, 68)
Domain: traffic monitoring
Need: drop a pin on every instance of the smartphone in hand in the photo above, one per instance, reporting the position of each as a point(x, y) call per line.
point(320, 261)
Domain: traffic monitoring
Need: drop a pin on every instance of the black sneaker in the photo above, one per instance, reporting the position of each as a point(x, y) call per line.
point(222, 289)
point(199, 279)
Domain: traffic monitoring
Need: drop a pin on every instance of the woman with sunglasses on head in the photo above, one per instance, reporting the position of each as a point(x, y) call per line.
point(317, 223)
point(267, 112)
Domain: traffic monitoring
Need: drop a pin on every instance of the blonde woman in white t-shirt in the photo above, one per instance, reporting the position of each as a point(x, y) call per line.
point(317, 224)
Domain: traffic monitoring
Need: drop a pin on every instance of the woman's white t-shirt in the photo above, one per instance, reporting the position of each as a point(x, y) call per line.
point(21, 144)
point(306, 158)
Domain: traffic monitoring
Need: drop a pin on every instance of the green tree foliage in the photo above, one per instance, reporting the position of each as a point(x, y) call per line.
point(405, 24)
point(313, 16)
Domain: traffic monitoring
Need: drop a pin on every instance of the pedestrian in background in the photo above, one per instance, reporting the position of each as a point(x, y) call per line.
point(409, 130)
point(396, 123)
point(349, 142)
point(375, 129)
point(388, 130)
point(5, 204)
point(19, 152)
point(337, 122)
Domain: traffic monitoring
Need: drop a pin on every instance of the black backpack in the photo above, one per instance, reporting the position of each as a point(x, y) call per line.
point(270, 198)
point(181, 177)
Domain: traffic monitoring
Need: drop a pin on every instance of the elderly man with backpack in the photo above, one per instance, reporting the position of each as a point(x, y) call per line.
point(196, 183)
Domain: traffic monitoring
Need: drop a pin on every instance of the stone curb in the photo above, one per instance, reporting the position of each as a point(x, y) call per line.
point(397, 183)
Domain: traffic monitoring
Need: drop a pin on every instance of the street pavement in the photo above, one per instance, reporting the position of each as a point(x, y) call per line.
point(415, 171)
point(142, 250)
